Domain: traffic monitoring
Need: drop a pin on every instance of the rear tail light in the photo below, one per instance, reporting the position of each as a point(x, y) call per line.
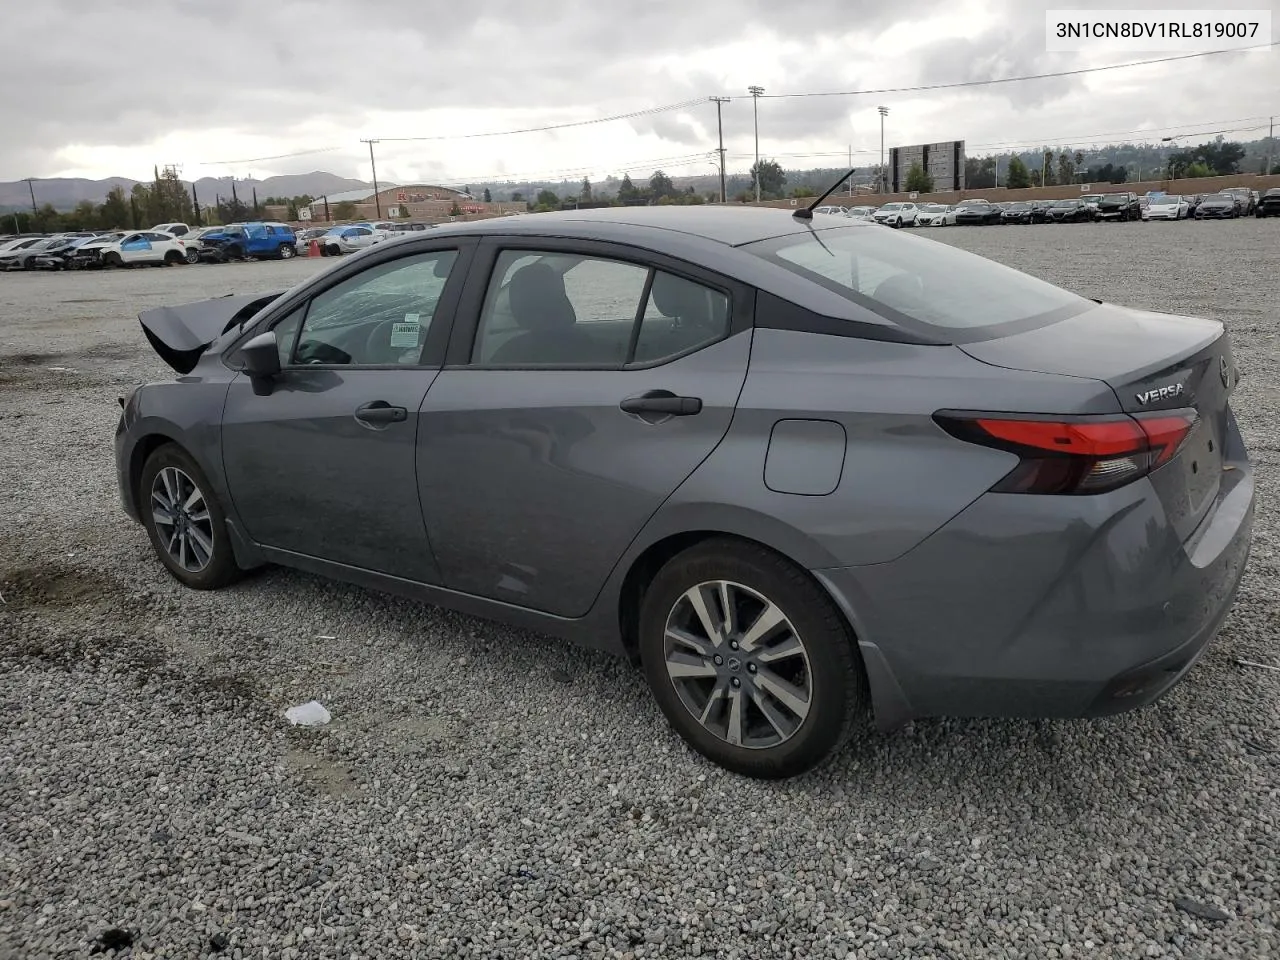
point(1077, 455)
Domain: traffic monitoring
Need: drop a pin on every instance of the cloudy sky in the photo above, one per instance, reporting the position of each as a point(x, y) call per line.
point(110, 87)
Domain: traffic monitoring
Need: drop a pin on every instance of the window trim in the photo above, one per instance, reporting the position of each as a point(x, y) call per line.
point(467, 326)
point(442, 323)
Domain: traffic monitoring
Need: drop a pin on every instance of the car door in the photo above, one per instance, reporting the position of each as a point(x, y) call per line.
point(324, 466)
point(584, 383)
point(135, 248)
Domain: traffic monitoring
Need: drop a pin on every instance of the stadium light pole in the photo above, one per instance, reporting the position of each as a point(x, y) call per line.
point(884, 174)
point(756, 92)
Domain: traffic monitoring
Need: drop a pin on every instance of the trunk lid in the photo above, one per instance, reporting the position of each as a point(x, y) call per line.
point(1152, 362)
point(181, 335)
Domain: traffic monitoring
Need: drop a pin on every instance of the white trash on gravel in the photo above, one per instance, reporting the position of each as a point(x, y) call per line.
point(311, 714)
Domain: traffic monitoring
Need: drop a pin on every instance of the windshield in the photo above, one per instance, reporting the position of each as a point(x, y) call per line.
point(891, 206)
point(920, 283)
point(1160, 201)
point(1017, 206)
point(1066, 203)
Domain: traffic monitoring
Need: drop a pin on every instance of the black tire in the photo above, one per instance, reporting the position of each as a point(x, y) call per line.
point(220, 568)
point(831, 666)
point(234, 252)
point(112, 259)
point(172, 257)
point(288, 251)
point(193, 255)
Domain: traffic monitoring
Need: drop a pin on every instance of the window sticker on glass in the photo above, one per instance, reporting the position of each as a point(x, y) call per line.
point(405, 335)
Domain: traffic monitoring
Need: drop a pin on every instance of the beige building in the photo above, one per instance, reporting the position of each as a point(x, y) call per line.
point(419, 202)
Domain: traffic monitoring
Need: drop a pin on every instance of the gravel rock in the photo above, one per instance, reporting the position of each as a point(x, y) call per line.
point(484, 792)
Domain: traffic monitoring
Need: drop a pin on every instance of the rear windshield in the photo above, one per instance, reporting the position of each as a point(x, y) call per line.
point(920, 284)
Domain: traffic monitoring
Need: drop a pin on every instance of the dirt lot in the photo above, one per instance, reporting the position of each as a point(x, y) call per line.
point(488, 793)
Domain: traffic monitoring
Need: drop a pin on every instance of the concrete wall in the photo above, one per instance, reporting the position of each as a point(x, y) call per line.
point(1001, 194)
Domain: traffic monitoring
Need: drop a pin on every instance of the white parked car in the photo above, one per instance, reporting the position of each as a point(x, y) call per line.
point(861, 213)
point(1167, 207)
point(173, 229)
point(832, 210)
point(141, 248)
point(349, 239)
point(930, 214)
point(897, 214)
point(193, 243)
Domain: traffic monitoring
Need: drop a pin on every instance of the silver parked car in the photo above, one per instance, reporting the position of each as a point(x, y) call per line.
point(798, 469)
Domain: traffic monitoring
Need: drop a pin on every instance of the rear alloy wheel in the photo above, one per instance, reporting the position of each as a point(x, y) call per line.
point(287, 252)
point(193, 255)
point(749, 660)
point(184, 521)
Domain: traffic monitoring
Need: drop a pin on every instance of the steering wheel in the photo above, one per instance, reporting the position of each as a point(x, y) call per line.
point(377, 344)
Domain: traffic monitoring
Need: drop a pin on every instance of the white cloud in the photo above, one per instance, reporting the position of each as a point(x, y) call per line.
point(255, 80)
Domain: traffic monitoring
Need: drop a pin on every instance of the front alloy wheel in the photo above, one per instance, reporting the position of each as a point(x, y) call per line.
point(184, 520)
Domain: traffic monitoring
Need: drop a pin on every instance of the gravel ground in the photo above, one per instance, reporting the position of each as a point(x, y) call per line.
point(483, 792)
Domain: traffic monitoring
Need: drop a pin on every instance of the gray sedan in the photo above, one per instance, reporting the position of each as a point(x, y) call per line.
point(803, 471)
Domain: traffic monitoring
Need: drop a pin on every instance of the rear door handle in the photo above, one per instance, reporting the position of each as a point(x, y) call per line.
point(381, 412)
point(662, 402)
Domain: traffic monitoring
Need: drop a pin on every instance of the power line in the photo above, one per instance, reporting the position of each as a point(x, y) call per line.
point(1032, 76)
point(278, 156)
point(667, 108)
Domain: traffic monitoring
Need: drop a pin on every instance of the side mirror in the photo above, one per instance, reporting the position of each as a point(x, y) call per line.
point(262, 362)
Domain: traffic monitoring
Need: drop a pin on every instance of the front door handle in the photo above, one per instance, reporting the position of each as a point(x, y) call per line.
point(381, 412)
point(662, 402)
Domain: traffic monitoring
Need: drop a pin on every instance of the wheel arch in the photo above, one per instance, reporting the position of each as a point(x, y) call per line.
point(889, 705)
point(645, 563)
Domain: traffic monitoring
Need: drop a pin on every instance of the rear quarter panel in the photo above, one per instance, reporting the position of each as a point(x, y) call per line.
point(902, 476)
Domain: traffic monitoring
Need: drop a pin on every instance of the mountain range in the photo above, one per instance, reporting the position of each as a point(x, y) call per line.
point(65, 192)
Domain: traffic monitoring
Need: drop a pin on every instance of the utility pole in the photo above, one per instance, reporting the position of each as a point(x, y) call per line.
point(1271, 140)
point(377, 201)
point(884, 174)
point(34, 211)
point(851, 169)
point(720, 131)
point(756, 92)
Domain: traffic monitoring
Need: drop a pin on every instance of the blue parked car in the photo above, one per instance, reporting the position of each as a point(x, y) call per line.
point(250, 241)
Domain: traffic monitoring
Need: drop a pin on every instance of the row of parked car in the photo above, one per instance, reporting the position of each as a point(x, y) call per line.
point(1227, 204)
point(167, 244)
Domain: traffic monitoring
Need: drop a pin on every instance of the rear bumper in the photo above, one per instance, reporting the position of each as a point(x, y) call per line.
point(1036, 607)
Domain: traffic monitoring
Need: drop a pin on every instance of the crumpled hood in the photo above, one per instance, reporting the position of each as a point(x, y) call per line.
point(181, 335)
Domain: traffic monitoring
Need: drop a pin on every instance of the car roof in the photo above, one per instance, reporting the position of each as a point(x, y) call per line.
point(728, 225)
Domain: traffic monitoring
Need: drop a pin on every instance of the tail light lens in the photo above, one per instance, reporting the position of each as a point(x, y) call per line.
point(1079, 455)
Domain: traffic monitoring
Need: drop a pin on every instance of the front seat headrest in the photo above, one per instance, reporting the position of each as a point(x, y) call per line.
point(675, 297)
point(538, 299)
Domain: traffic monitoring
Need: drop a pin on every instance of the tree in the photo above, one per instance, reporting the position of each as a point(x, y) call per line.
point(627, 192)
point(918, 181)
point(85, 216)
point(547, 200)
point(517, 197)
point(488, 197)
point(1047, 169)
point(660, 186)
point(1019, 176)
point(771, 177)
point(585, 193)
point(799, 193)
point(455, 210)
point(346, 210)
point(1066, 168)
point(292, 212)
point(114, 213)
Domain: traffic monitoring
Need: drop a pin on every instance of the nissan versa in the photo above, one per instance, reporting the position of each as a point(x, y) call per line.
point(800, 469)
